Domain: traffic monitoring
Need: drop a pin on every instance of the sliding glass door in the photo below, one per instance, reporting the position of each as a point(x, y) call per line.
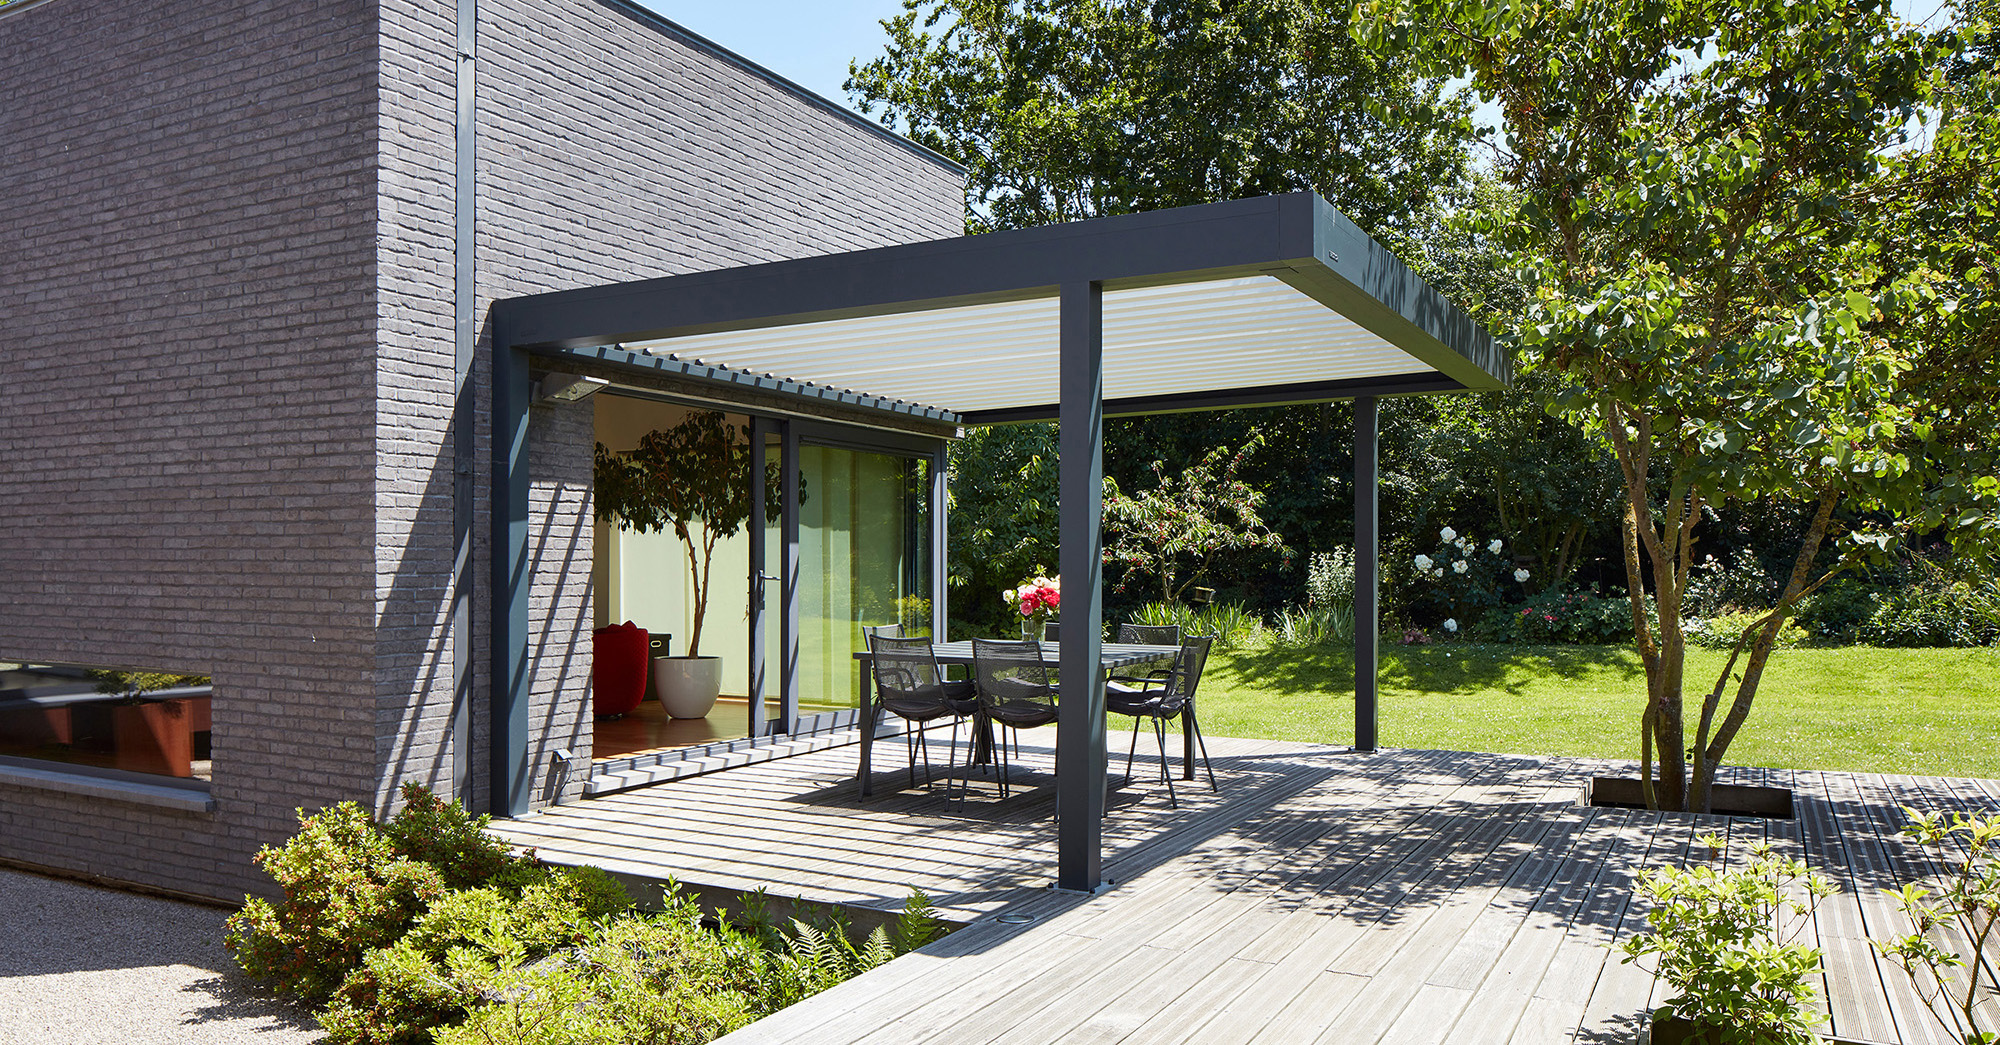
point(864, 559)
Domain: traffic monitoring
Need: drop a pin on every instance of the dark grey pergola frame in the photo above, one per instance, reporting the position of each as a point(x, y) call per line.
point(1298, 239)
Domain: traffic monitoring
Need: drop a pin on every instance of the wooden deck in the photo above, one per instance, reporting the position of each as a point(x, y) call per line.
point(1321, 896)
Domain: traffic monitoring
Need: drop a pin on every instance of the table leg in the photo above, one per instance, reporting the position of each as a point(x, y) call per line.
point(1187, 741)
point(865, 714)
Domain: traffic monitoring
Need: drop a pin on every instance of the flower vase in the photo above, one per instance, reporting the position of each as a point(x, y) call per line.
point(1038, 630)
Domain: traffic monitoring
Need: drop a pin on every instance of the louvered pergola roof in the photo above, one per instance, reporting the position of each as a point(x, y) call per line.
point(1278, 299)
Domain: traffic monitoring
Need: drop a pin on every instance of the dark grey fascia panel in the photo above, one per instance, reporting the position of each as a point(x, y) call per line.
point(1233, 398)
point(1213, 241)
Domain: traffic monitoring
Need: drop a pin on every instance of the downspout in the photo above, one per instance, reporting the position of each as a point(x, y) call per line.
point(465, 414)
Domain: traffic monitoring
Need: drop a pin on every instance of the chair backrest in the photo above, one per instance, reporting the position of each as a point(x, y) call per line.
point(1193, 660)
point(902, 664)
point(1150, 634)
point(1052, 631)
point(1011, 674)
point(887, 631)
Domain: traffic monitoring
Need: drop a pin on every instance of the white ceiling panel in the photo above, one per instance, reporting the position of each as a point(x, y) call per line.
point(1157, 341)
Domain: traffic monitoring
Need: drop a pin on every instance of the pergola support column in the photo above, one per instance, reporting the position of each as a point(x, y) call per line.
point(1080, 729)
point(1367, 573)
point(508, 736)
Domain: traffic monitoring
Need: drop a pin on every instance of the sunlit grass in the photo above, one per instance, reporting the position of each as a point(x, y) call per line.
point(1926, 712)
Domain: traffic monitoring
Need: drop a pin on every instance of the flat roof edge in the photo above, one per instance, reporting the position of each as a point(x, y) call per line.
point(655, 20)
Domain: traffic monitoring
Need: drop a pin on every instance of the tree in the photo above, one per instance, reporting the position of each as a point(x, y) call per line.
point(1174, 531)
point(1001, 523)
point(694, 478)
point(1741, 285)
point(1068, 109)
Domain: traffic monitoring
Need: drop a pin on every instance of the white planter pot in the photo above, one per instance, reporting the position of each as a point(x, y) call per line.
point(687, 686)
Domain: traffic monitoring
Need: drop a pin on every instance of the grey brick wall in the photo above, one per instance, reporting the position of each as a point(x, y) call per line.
point(610, 150)
point(229, 379)
point(187, 466)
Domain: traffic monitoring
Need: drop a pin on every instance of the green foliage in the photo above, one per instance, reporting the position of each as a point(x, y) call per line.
point(1561, 614)
point(109, 681)
point(1836, 612)
point(346, 892)
point(1071, 109)
point(1463, 579)
point(403, 991)
point(1232, 624)
point(1316, 625)
point(1935, 613)
point(1173, 531)
point(1330, 579)
point(693, 478)
point(1724, 941)
point(1952, 924)
point(1723, 631)
point(445, 836)
point(1738, 283)
point(1001, 523)
point(658, 979)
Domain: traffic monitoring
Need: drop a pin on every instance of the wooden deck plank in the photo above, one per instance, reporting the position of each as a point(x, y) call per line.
point(1405, 896)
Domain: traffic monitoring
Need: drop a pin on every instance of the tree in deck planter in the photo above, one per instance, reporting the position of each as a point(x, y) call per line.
point(1750, 280)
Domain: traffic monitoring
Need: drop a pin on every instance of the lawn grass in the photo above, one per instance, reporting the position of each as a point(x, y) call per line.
point(1932, 712)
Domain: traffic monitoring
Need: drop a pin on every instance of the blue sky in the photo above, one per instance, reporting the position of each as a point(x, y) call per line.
point(808, 43)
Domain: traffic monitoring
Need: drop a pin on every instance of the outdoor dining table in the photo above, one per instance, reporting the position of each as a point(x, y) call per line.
point(1112, 656)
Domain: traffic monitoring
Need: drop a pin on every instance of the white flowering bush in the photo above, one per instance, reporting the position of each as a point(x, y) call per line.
point(1463, 578)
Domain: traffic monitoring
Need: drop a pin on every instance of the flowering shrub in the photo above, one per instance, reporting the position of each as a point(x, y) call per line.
point(1563, 615)
point(1173, 532)
point(1467, 578)
point(1037, 600)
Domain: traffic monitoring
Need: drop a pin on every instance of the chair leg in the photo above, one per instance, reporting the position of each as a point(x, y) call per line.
point(924, 746)
point(1131, 750)
point(910, 748)
point(1166, 773)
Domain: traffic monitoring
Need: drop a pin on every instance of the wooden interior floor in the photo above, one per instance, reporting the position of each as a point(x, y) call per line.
point(650, 729)
point(1320, 896)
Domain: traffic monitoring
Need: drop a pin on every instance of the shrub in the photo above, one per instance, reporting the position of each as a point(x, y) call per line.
point(1562, 615)
point(1935, 614)
point(1724, 941)
point(346, 892)
point(1315, 625)
point(1721, 632)
point(1330, 579)
point(1232, 624)
point(660, 979)
point(1837, 611)
point(445, 836)
point(1964, 912)
point(404, 991)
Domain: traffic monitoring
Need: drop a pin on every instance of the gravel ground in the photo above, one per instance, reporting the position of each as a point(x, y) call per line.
point(81, 965)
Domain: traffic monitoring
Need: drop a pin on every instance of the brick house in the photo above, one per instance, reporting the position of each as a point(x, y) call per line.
point(254, 247)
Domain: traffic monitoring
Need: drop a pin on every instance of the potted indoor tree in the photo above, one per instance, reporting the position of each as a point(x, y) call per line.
point(693, 478)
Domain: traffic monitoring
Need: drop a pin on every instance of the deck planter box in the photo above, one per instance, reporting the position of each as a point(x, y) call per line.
point(1728, 799)
point(154, 736)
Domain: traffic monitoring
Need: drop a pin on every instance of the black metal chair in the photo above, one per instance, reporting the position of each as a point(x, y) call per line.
point(1014, 690)
point(1150, 634)
point(1161, 696)
point(909, 685)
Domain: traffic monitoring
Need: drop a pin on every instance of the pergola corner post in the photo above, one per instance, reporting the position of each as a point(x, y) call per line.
point(507, 739)
point(1367, 573)
point(1080, 728)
